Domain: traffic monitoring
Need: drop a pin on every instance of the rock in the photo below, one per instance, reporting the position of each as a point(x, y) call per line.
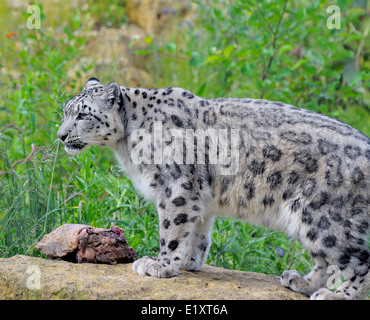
point(156, 15)
point(108, 51)
point(111, 51)
point(24, 277)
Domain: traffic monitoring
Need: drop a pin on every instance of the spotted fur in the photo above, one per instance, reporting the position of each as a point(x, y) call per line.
point(298, 171)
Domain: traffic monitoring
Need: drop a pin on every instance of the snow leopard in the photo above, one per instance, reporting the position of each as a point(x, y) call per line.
point(265, 162)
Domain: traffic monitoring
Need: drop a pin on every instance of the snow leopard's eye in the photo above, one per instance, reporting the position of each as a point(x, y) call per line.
point(80, 116)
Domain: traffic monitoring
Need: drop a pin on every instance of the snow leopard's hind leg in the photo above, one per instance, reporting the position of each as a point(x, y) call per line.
point(349, 264)
point(356, 278)
point(309, 283)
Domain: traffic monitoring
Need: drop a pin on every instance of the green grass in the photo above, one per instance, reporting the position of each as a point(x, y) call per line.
point(213, 55)
point(237, 245)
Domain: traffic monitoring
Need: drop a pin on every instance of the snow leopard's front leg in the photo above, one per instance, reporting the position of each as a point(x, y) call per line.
point(178, 215)
point(197, 250)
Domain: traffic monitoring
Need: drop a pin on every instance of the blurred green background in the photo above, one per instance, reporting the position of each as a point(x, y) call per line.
point(276, 50)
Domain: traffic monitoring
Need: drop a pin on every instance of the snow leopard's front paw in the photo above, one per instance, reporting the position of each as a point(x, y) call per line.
point(294, 281)
point(150, 266)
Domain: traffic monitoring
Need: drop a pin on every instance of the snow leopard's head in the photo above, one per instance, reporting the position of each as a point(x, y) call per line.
point(93, 117)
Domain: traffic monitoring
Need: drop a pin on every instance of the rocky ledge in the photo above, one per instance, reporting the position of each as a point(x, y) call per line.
point(24, 277)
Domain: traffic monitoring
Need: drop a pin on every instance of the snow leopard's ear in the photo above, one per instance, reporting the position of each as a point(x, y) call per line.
point(92, 82)
point(114, 94)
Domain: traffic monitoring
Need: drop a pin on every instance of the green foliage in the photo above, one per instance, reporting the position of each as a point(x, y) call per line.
point(25, 195)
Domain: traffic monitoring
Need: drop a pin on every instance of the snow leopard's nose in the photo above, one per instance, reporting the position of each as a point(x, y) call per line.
point(62, 137)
